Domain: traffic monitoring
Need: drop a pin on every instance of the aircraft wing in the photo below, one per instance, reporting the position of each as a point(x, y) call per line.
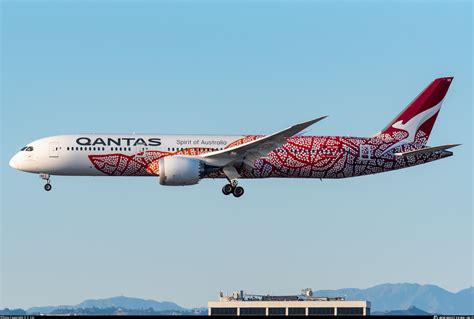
point(248, 152)
point(427, 150)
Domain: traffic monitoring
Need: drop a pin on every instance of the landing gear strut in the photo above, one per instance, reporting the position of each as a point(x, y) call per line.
point(46, 177)
point(231, 174)
point(233, 189)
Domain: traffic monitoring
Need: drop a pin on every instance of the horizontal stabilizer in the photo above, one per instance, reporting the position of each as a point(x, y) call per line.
point(427, 150)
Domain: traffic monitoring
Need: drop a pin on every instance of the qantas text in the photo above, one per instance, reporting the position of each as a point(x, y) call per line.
point(127, 141)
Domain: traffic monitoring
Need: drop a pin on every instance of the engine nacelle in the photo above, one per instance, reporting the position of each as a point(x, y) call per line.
point(180, 170)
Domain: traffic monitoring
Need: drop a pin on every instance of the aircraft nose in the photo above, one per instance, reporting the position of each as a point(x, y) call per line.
point(12, 162)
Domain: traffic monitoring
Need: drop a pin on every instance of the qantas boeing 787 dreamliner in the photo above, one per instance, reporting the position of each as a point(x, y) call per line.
point(181, 160)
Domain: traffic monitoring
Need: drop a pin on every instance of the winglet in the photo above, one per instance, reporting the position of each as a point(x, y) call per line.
point(301, 126)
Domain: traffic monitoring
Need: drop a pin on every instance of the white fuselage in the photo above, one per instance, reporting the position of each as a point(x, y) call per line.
point(71, 154)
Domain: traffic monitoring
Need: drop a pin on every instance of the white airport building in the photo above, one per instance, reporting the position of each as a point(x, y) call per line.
point(305, 304)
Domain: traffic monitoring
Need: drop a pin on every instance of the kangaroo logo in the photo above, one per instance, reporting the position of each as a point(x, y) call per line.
point(412, 126)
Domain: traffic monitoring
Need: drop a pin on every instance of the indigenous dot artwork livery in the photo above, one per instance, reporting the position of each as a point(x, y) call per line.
point(317, 156)
point(147, 163)
point(304, 156)
point(141, 164)
point(338, 157)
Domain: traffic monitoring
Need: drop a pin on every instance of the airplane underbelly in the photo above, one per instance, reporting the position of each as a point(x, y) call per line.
point(302, 167)
point(70, 166)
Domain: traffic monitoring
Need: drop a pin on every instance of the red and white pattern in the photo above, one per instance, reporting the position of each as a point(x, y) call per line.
point(319, 156)
point(337, 157)
point(305, 156)
point(141, 164)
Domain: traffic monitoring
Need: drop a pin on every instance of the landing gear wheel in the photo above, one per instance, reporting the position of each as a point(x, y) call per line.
point(48, 187)
point(227, 189)
point(238, 191)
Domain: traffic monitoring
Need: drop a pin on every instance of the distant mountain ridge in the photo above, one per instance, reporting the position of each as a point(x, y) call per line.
point(384, 298)
point(430, 298)
point(129, 303)
point(117, 302)
point(412, 311)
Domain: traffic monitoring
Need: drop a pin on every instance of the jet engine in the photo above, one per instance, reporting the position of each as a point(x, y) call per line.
point(180, 170)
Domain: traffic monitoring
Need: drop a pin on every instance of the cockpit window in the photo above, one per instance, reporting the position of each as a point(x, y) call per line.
point(23, 148)
point(29, 148)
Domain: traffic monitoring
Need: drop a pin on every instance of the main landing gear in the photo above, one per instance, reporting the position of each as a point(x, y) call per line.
point(231, 174)
point(46, 177)
point(233, 189)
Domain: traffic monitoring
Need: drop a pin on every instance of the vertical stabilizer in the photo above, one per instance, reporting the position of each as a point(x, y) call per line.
point(418, 118)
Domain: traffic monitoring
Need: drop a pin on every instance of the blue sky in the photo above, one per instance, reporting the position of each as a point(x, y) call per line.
point(231, 68)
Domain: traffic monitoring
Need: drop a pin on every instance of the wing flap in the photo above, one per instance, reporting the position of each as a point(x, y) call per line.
point(257, 148)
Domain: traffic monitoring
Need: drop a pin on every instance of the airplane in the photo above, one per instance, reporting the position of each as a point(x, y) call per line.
point(180, 160)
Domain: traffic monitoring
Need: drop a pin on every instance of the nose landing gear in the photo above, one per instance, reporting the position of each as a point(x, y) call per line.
point(46, 177)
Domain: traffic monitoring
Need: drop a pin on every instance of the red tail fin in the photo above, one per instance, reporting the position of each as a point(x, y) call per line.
point(421, 113)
